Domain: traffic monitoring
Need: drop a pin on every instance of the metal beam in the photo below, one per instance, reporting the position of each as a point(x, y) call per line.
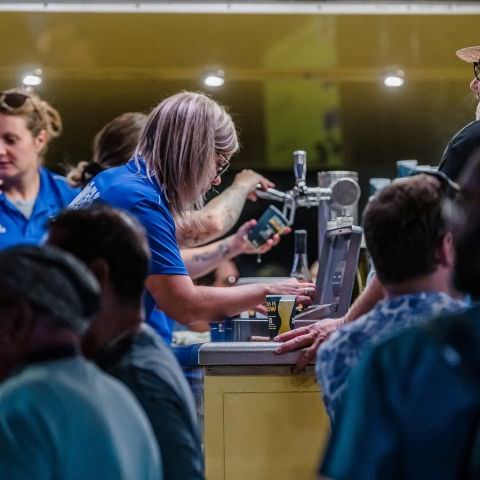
point(246, 7)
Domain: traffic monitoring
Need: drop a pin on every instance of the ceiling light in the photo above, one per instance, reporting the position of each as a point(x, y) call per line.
point(394, 80)
point(214, 79)
point(32, 79)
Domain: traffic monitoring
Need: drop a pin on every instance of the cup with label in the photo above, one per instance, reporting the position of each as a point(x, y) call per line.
point(280, 311)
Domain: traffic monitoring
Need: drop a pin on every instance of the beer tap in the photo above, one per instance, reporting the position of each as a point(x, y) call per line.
point(343, 192)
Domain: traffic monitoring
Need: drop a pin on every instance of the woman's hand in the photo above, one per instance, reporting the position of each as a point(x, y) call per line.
point(304, 291)
point(239, 242)
point(249, 179)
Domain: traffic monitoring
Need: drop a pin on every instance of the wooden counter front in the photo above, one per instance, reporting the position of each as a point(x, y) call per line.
point(261, 422)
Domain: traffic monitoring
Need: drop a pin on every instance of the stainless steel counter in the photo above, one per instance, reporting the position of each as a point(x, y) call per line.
point(244, 353)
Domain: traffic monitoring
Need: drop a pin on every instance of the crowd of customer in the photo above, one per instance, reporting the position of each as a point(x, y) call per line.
point(155, 170)
point(95, 271)
point(404, 394)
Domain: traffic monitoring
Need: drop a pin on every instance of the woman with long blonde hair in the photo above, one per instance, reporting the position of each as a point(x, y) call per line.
point(185, 146)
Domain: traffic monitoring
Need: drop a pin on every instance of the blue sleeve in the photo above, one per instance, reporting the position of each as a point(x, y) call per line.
point(150, 209)
point(68, 192)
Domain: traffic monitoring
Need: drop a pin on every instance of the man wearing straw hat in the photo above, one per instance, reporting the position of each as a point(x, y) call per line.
point(472, 55)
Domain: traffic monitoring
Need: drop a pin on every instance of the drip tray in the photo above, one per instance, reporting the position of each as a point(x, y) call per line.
point(243, 329)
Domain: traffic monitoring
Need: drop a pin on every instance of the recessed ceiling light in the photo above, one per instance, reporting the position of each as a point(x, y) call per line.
point(394, 80)
point(214, 78)
point(32, 79)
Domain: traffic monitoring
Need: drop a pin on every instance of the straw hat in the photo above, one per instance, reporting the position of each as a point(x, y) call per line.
point(469, 54)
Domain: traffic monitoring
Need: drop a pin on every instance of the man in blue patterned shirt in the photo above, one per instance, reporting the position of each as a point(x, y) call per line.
point(408, 238)
point(411, 409)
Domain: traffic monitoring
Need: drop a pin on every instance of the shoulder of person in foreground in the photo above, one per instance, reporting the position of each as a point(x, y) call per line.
point(402, 386)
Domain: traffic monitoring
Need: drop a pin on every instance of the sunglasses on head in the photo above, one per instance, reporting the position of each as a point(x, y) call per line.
point(14, 100)
point(476, 70)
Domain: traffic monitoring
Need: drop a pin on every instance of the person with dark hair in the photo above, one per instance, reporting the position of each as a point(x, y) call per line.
point(29, 193)
point(184, 148)
point(411, 409)
point(114, 246)
point(60, 416)
point(408, 238)
point(113, 145)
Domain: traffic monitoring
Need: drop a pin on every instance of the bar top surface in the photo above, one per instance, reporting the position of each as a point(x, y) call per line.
point(245, 353)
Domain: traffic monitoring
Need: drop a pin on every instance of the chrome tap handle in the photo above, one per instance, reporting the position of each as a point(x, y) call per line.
point(289, 208)
point(271, 194)
point(300, 167)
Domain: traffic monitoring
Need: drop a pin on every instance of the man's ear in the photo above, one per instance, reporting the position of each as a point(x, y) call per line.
point(101, 270)
point(446, 251)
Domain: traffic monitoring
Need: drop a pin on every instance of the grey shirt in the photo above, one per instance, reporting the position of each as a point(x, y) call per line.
point(149, 368)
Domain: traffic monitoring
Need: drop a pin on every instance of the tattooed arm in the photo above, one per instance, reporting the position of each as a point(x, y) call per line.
point(202, 260)
point(221, 213)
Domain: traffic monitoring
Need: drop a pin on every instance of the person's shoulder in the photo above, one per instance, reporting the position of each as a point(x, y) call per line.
point(348, 333)
point(35, 387)
point(151, 359)
point(150, 353)
point(128, 185)
point(120, 187)
point(458, 328)
point(402, 350)
point(59, 182)
point(431, 300)
point(445, 304)
point(437, 331)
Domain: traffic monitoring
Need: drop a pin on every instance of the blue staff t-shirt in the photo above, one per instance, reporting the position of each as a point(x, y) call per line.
point(54, 194)
point(129, 188)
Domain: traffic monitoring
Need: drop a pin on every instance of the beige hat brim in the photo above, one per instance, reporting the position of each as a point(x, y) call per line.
point(469, 54)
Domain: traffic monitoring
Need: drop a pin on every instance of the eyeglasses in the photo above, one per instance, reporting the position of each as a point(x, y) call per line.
point(223, 166)
point(476, 70)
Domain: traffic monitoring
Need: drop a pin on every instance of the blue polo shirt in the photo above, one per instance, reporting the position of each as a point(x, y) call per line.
point(53, 196)
point(128, 187)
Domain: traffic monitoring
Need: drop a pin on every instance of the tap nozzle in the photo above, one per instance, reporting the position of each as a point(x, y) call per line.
point(300, 167)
